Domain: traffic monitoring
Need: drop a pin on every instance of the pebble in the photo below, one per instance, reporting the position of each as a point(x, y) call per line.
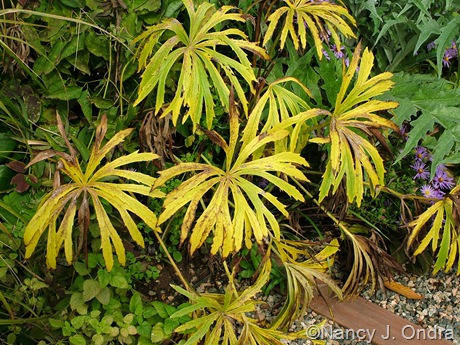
point(439, 310)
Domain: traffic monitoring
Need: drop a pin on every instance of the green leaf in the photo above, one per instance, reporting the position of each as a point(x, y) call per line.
point(449, 32)
point(98, 45)
point(144, 329)
point(7, 145)
point(104, 295)
point(81, 268)
point(45, 64)
point(118, 280)
point(144, 340)
point(177, 256)
point(161, 309)
point(91, 289)
point(80, 61)
point(73, 48)
point(103, 277)
point(93, 260)
point(170, 325)
point(98, 339)
point(77, 339)
point(76, 300)
point(74, 3)
point(247, 273)
point(135, 304)
point(6, 174)
point(427, 28)
point(78, 321)
point(158, 334)
point(102, 103)
point(64, 92)
point(56, 323)
point(86, 106)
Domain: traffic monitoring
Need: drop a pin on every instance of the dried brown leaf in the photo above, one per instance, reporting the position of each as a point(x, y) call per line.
point(19, 181)
point(215, 137)
point(61, 128)
point(17, 166)
point(402, 289)
point(100, 132)
point(47, 154)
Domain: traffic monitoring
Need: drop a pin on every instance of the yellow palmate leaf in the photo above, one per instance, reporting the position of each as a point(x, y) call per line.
point(110, 168)
point(208, 219)
point(54, 204)
point(182, 196)
point(328, 251)
point(234, 208)
point(352, 156)
point(98, 153)
point(255, 143)
point(69, 196)
point(64, 234)
point(108, 236)
point(202, 64)
point(301, 278)
point(51, 252)
point(443, 227)
point(319, 18)
point(421, 220)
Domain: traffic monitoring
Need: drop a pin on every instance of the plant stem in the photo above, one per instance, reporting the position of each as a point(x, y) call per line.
point(184, 281)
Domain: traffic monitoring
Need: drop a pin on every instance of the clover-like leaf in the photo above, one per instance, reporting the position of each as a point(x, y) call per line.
point(319, 18)
point(92, 184)
point(201, 62)
point(354, 119)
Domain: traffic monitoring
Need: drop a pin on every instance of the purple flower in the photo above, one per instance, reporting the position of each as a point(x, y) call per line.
point(421, 170)
point(326, 55)
point(263, 183)
point(430, 192)
point(431, 46)
point(325, 35)
point(442, 180)
point(405, 131)
point(338, 52)
point(449, 54)
point(441, 168)
point(421, 153)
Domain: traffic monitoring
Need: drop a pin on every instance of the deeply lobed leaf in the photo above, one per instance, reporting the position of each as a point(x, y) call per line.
point(90, 182)
point(317, 17)
point(201, 62)
point(352, 156)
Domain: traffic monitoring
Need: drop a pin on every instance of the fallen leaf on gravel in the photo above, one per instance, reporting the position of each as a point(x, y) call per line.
point(402, 289)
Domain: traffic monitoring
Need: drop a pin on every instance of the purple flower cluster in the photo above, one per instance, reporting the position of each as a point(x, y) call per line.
point(441, 183)
point(450, 53)
point(339, 53)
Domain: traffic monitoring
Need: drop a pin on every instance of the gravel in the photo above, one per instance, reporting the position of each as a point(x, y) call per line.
point(438, 311)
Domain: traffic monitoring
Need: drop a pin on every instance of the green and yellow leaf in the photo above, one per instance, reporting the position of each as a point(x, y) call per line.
point(352, 156)
point(440, 218)
point(68, 197)
point(318, 17)
point(249, 215)
point(200, 62)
